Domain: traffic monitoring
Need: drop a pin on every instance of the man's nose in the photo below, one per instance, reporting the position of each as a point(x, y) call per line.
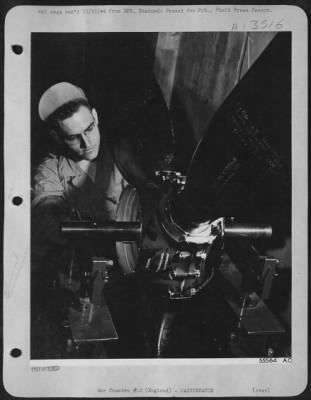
point(85, 141)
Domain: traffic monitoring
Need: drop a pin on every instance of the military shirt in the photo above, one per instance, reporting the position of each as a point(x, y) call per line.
point(63, 190)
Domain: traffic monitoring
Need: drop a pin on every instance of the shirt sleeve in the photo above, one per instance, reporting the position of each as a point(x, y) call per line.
point(47, 182)
point(48, 205)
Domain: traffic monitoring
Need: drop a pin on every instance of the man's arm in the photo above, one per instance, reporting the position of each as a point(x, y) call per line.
point(49, 206)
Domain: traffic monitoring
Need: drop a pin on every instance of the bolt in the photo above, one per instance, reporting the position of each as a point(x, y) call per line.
point(197, 273)
point(270, 352)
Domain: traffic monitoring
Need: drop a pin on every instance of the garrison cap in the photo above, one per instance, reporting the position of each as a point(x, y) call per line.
point(56, 96)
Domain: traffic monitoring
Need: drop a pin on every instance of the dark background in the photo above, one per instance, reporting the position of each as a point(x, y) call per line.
point(109, 67)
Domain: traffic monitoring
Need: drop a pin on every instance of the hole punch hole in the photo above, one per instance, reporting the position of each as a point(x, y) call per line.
point(17, 200)
point(16, 353)
point(17, 49)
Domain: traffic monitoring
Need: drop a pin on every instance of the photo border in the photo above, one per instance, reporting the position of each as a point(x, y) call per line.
point(282, 378)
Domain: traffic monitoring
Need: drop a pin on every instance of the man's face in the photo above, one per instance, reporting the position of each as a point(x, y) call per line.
point(80, 134)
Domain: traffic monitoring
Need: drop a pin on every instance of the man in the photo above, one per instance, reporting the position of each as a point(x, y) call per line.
point(79, 179)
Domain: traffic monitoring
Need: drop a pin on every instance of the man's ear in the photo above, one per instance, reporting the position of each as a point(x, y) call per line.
point(55, 136)
point(94, 113)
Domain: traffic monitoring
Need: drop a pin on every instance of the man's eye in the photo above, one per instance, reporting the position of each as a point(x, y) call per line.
point(90, 128)
point(71, 138)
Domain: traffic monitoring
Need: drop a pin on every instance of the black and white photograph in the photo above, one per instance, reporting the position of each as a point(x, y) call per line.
point(161, 208)
point(160, 201)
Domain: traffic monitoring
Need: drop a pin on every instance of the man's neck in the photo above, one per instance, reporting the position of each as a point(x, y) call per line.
point(89, 167)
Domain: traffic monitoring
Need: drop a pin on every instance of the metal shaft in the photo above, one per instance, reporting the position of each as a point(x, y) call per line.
point(113, 230)
point(247, 230)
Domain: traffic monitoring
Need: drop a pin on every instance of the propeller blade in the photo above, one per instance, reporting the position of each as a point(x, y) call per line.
point(242, 165)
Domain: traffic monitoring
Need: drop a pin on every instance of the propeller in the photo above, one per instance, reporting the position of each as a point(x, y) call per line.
point(241, 166)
